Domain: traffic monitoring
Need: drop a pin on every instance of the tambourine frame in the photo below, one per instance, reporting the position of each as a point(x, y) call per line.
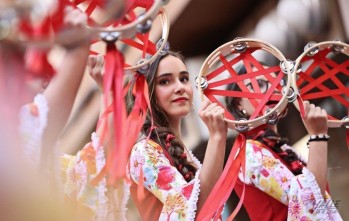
point(343, 48)
point(165, 32)
point(129, 30)
point(229, 48)
point(125, 31)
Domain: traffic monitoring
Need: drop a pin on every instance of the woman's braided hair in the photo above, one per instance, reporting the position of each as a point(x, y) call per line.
point(161, 131)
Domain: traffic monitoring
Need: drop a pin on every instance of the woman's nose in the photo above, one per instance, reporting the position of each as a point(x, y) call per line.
point(180, 87)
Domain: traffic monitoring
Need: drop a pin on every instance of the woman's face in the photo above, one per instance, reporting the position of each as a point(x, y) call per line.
point(261, 86)
point(173, 91)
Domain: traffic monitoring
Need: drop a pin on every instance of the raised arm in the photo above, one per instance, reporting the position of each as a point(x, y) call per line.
point(315, 122)
point(212, 167)
point(62, 89)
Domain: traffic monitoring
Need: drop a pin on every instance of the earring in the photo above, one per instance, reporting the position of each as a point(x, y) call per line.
point(242, 113)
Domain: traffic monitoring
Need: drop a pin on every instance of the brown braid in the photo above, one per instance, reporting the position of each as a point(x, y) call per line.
point(162, 129)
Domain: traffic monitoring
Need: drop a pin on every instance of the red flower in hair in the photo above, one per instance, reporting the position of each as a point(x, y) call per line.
point(165, 178)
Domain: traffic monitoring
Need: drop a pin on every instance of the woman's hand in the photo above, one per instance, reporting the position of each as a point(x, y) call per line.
point(213, 116)
point(96, 68)
point(74, 32)
point(315, 120)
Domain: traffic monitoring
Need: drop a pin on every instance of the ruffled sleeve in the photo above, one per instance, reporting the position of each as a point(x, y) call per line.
point(94, 202)
point(179, 197)
point(300, 193)
point(32, 123)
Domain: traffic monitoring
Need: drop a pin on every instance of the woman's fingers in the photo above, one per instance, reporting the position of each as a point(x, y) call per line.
point(306, 105)
point(315, 119)
point(96, 68)
point(205, 103)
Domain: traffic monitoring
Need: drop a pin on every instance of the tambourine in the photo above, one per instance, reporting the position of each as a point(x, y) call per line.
point(321, 75)
point(109, 20)
point(270, 104)
point(132, 29)
point(35, 23)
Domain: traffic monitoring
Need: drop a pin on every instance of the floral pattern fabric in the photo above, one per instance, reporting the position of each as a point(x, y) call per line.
point(179, 197)
point(300, 193)
point(93, 202)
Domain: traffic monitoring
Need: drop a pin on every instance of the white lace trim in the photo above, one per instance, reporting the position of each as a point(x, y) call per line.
point(319, 199)
point(123, 207)
point(192, 204)
point(102, 207)
point(32, 128)
point(41, 102)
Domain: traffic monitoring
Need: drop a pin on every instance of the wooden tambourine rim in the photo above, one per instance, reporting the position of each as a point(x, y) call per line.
point(129, 30)
point(228, 48)
point(165, 32)
point(320, 46)
point(124, 31)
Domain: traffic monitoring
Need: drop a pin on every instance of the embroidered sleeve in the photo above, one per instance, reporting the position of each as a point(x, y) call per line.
point(178, 196)
point(301, 193)
point(96, 202)
point(33, 121)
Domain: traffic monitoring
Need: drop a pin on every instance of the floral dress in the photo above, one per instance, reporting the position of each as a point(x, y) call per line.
point(299, 193)
point(168, 195)
point(74, 173)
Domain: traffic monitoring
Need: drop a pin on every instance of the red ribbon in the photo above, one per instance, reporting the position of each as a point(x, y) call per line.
point(225, 184)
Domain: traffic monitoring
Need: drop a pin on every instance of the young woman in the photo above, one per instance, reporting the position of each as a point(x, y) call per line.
point(279, 185)
point(176, 183)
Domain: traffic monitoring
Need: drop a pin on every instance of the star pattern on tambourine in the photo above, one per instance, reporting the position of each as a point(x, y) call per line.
point(222, 68)
point(322, 76)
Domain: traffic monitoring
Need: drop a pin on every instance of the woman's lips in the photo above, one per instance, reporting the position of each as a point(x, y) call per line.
point(180, 99)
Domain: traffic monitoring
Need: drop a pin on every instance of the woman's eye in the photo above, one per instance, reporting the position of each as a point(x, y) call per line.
point(184, 79)
point(164, 82)
point(261, 83)
point(249, 86)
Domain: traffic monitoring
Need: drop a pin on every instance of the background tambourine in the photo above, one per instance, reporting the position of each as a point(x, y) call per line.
point(131, 30)
point(321, 75)
point(127, 22)
point(222, 68)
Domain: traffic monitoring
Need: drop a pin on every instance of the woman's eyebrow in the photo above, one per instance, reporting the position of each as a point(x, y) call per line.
point(164, 75)
point(170, 74)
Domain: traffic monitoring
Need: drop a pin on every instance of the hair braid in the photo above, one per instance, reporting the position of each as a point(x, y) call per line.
point(174, 147)
point(274, 141)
